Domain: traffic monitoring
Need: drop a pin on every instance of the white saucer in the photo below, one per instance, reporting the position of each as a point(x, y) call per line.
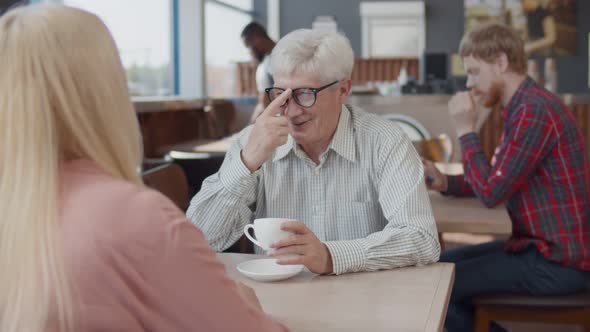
point(268, 270)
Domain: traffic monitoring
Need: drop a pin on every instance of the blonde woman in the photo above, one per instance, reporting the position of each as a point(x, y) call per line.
point(83, 245)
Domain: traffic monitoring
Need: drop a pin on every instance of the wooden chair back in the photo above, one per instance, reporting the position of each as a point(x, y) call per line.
point(170, 180)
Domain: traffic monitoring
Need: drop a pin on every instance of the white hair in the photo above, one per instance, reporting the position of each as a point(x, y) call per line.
point(327, 55)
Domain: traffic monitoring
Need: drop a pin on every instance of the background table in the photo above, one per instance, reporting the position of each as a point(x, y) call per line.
point(466, 215)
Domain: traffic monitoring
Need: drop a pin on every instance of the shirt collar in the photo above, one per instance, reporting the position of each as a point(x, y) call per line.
point(283, 150)
point(517, 97)
point(343, 142)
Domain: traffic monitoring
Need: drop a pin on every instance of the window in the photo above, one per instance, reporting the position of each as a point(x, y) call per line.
point(224, 22)
point(142, 31)
point(239, 4)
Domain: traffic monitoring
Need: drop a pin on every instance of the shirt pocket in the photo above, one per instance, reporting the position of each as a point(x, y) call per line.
point(358, 219)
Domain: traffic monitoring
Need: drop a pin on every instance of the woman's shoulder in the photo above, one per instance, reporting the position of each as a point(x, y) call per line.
point(96, 199)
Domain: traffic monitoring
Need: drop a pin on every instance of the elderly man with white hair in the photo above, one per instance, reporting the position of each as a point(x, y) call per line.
point(352, 180)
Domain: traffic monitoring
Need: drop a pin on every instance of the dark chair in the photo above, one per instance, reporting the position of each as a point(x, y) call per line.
point(197, 166)
point(565, 309)
point(169, 179)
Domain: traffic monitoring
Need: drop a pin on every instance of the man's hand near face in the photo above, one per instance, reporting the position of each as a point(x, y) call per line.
point(270, 131)
point(463, 111)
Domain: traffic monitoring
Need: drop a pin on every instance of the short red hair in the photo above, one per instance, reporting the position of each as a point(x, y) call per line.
point(487, 41)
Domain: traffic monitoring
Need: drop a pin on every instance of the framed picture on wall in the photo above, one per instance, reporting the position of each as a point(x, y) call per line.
point(547, 26)
point(393, 29)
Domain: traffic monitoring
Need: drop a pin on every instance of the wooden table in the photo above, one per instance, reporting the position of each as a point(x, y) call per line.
point(466, 215)
point(218, 146)
point(406, 299)
point(215, 146)
point(201, 148)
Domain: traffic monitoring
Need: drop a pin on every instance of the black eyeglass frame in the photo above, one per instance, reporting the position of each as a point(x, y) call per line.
point(294, 93)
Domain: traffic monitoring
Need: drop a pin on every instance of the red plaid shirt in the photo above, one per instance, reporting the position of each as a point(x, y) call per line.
point(540, 170)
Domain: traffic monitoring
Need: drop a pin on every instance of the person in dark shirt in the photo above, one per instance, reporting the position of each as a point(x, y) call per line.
point(540, 171)
point(540, 35)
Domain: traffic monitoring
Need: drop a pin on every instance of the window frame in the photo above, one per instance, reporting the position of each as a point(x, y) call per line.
point(187, 42)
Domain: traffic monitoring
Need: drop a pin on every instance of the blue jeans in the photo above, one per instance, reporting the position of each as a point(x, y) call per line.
point(487, 269)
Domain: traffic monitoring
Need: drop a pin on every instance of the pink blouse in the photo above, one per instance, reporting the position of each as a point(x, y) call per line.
point(137, 264)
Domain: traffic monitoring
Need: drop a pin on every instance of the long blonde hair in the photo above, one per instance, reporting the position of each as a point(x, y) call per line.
point(63, 96)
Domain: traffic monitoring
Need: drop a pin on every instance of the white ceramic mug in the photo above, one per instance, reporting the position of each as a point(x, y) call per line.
point(267, 231)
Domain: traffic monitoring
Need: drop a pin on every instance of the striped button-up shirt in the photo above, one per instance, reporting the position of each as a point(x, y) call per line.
point(366, 200)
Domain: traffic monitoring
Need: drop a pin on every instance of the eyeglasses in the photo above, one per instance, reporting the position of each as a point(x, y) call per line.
point(304, 97)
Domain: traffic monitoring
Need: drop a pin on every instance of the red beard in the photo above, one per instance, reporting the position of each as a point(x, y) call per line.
point(492, 98)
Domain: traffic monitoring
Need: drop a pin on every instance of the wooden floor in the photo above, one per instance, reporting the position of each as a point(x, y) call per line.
point(457, 239)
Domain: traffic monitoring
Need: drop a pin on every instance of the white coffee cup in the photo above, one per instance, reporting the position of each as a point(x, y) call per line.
point(267, 231)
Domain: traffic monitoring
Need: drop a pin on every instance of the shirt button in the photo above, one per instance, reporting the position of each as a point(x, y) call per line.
point(316, 172)
point(498, 173)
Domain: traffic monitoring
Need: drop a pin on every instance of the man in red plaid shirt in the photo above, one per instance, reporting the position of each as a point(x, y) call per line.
point(539, 171)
